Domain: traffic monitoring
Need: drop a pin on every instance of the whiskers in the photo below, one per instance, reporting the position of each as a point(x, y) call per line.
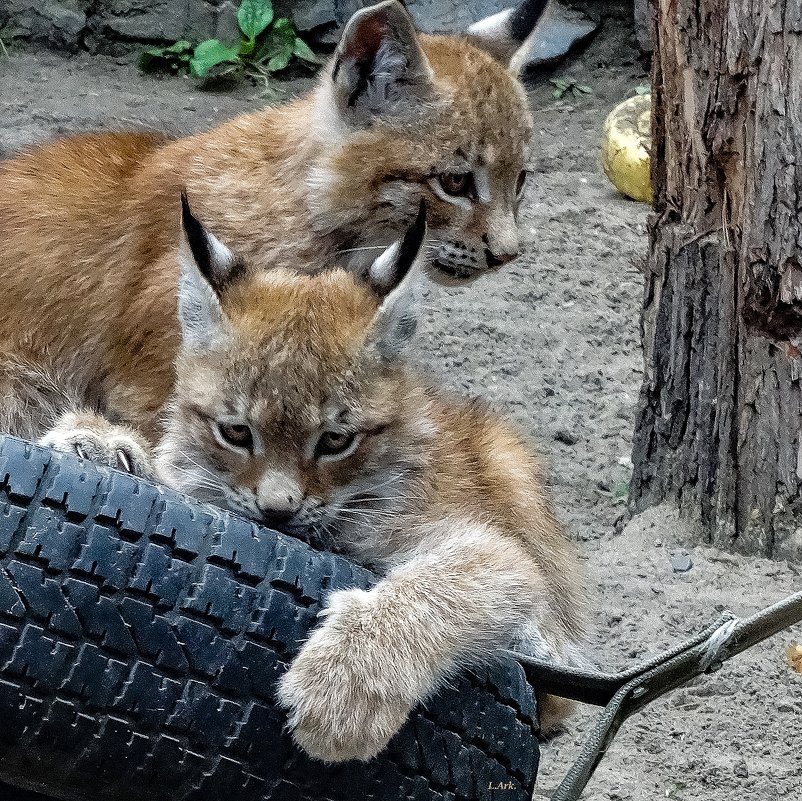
point(198, 465)
point(380, 248)
point(375, 506)
point(321, 535)
point(361, 249)
point(194, 479)
point(364, 517)
point(190, 481)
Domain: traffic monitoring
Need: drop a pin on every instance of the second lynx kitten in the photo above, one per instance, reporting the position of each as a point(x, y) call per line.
point(88, 224)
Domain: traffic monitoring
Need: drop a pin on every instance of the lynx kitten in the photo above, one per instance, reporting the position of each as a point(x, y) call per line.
point(295, 405)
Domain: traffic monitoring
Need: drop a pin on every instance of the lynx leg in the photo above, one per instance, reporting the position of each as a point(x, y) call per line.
point(378, 653)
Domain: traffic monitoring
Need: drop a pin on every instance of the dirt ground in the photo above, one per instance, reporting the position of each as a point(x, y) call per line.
point(553, 342)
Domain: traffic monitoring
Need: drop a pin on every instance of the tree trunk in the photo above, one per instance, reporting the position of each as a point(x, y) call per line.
point(719, 421)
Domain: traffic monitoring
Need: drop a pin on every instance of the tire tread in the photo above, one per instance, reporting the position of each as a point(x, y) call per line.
point(141, 637)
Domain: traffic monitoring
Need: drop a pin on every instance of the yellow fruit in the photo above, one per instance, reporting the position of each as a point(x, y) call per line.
point(794, 656)
point(626, 146)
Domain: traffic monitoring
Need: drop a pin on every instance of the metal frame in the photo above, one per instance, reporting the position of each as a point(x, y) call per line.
point(623, 694)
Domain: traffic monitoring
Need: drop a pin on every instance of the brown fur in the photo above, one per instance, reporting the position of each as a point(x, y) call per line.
point(432, 492)
point(437, 494)
point(89, 225)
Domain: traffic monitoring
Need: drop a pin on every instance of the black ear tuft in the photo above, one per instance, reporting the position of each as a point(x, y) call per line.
point(502, 34)
point(412, 242)
point(393, 280)
point(392, 267)
point(215, 262)
point(524, 17)
point(198, 240)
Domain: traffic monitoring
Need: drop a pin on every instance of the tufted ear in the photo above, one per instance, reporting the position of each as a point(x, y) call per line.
point(379, 67)
point(393, 277)
point(207, 267)
point(503, 34)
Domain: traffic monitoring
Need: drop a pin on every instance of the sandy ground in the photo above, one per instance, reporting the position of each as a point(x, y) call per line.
point(553, 342)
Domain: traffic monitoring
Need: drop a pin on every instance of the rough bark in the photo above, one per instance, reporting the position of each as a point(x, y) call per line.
point(720, 414)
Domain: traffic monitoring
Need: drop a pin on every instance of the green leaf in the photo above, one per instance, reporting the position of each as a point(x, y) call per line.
point(209, 54)
point(284, 27)
point(276, 49)
point(280, 38)
point(254, 16)
point(278, 62)
point(147, 59)
point(301, 50)
point(180, 47)
point(643, 89)
point(586, 90)
point(246, 47)
point(158, 58)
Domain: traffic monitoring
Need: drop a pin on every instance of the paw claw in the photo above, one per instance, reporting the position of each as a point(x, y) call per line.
point(123, 461)
point(95, 439)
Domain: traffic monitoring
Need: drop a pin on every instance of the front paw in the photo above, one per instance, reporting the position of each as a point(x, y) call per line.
point(344, 692)
point(92, 437)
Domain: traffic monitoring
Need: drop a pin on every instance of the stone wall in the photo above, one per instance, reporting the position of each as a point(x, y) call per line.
point(106, 25)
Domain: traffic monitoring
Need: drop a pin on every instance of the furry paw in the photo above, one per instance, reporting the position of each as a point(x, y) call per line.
point(92, 437)
point(345, 696)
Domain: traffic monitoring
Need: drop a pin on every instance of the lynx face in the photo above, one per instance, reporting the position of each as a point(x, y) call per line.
point(291, 407)
point(423, 118)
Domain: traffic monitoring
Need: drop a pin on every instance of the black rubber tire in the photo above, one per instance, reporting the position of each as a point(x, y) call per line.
point(141, 636)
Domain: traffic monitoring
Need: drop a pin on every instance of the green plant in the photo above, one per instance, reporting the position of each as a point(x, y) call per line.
point(267, 46)
point(643, 89)
point(568, 86)
point(174, 58)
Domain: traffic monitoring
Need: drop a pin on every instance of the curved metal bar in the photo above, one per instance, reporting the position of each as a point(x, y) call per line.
point(622, 694)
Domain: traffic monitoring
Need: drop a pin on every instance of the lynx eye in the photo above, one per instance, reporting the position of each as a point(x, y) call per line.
point(237, 434)
point(334, 445)
point(453, 183)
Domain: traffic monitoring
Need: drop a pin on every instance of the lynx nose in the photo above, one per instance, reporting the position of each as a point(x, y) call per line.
point(274, 514)
point(494, 260)
point(278, 498)
point(502, 249)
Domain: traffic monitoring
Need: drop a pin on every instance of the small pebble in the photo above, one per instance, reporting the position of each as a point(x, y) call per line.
point(740, 770)
point(566, 437)
point(681, 561)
